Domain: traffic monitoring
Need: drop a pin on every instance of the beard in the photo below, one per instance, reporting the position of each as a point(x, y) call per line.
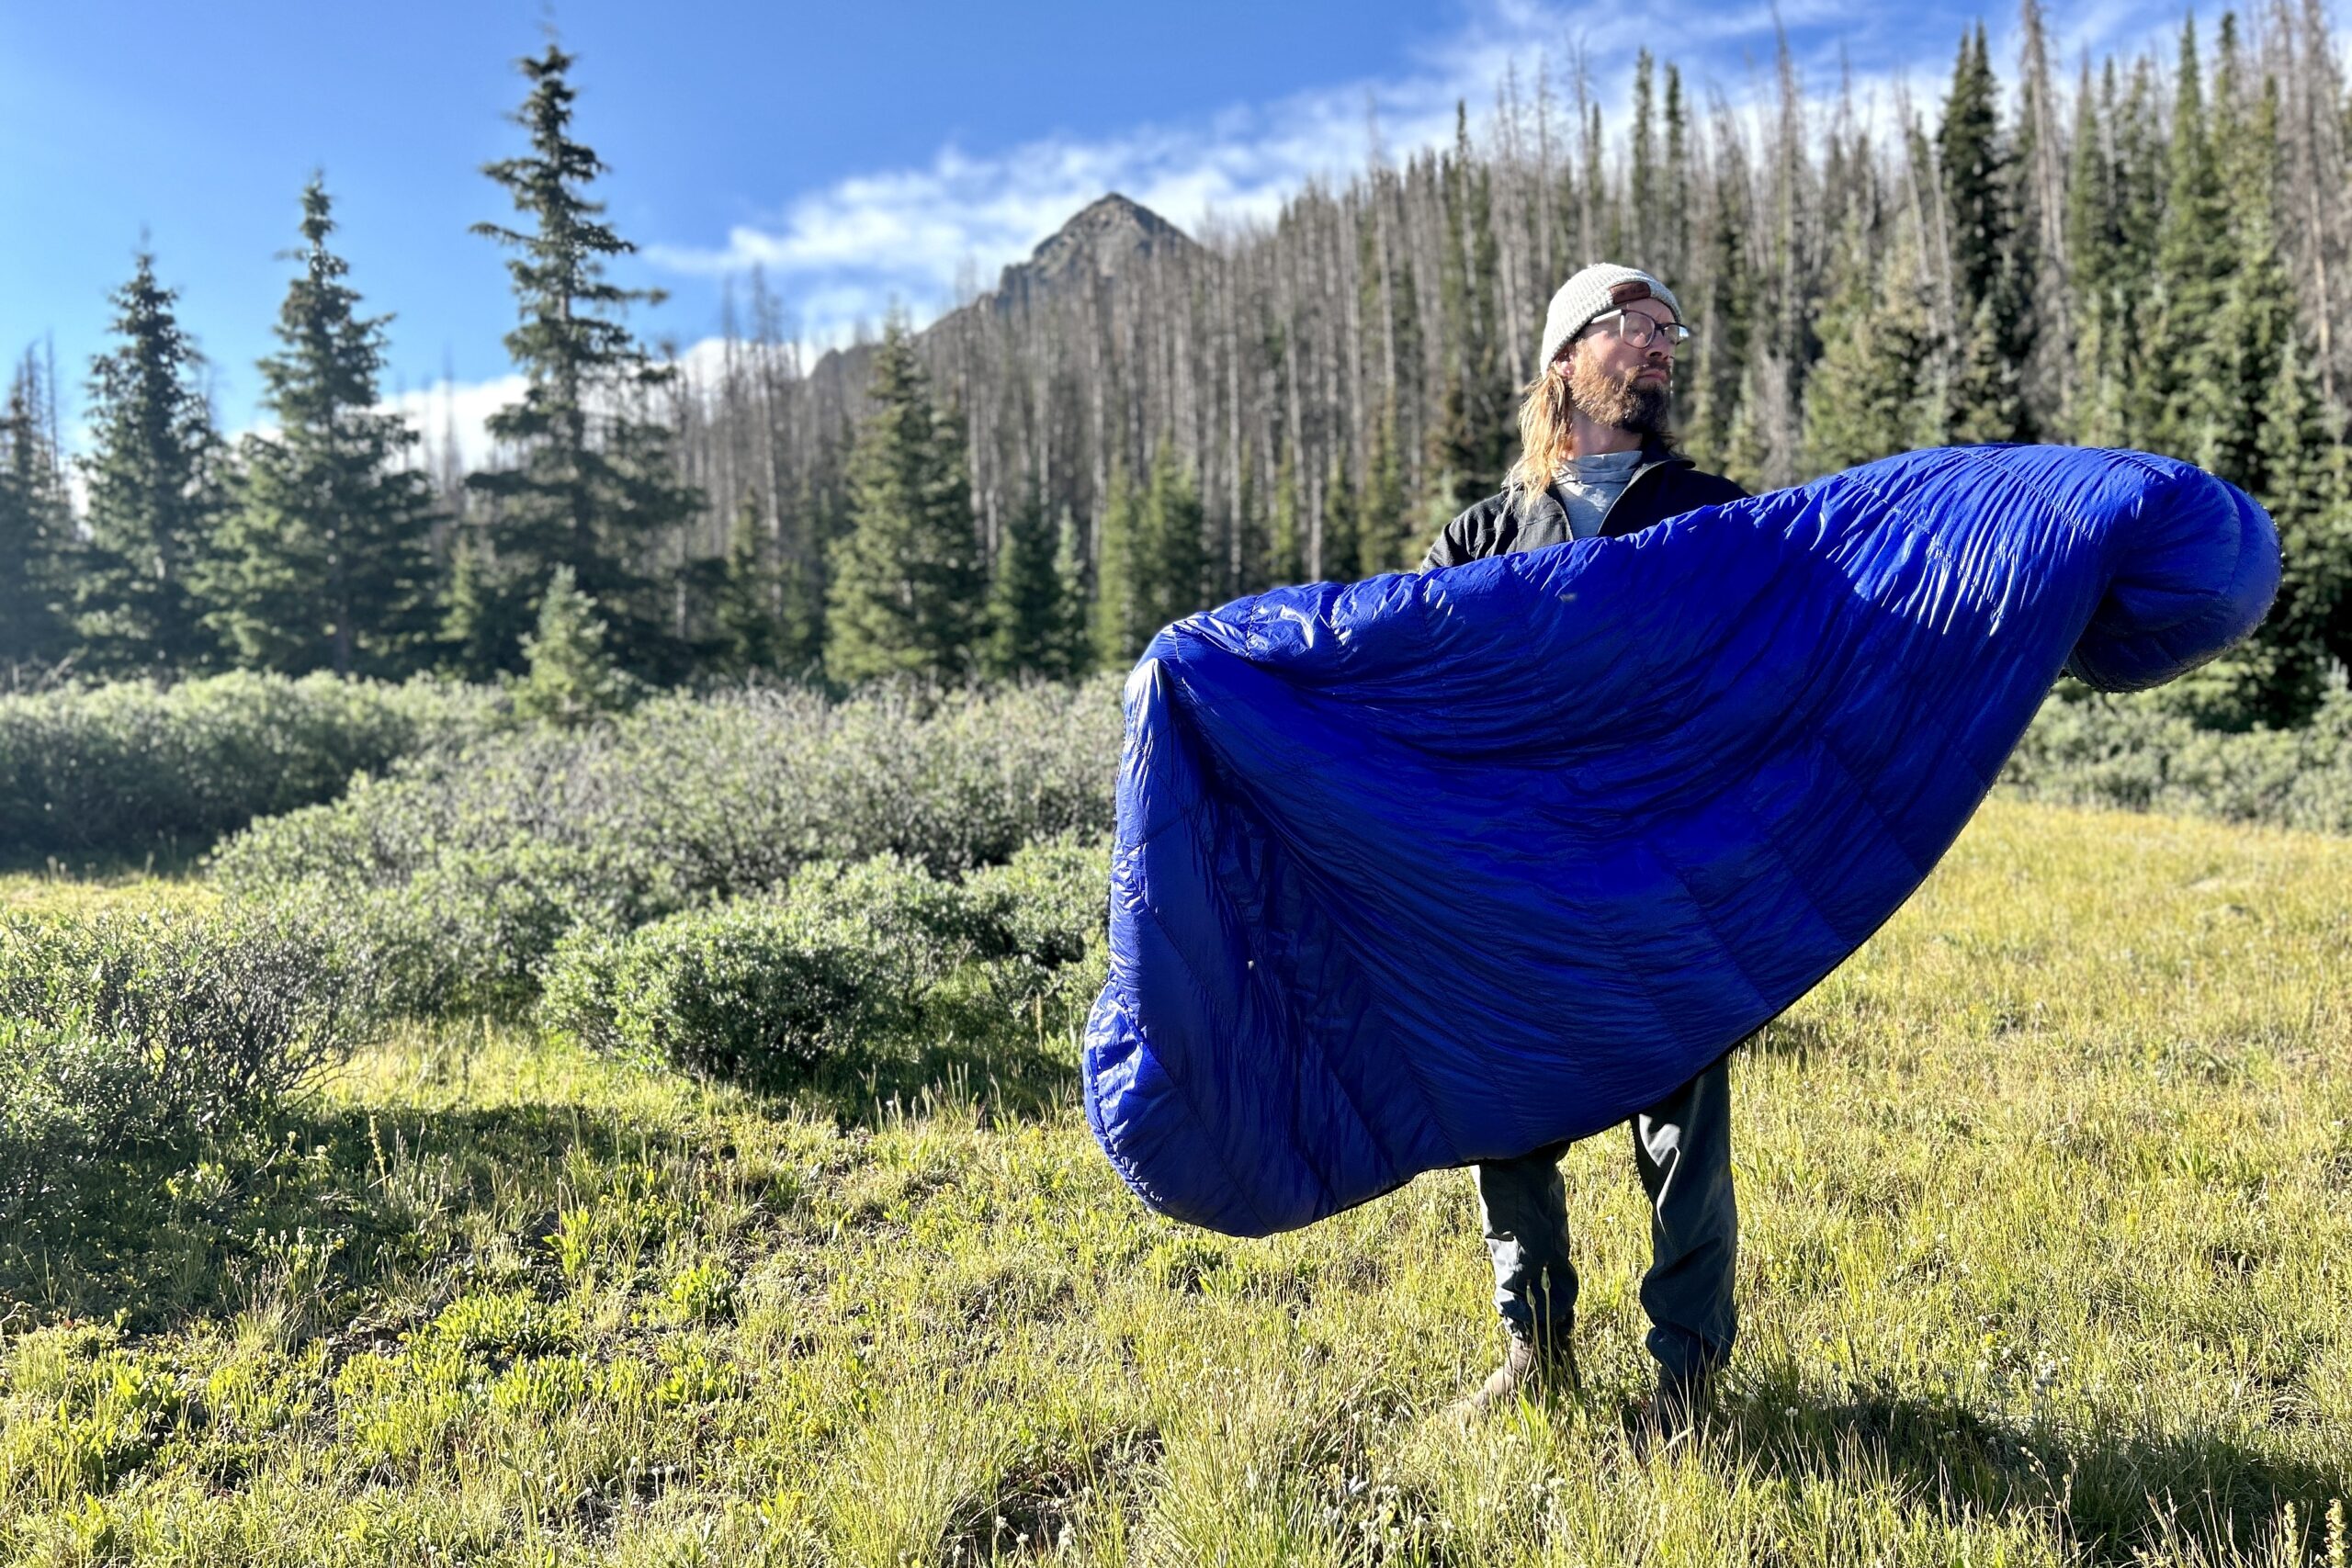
point(1606, 399)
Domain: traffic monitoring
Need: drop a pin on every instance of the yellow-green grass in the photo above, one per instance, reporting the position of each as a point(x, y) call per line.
point(2047, 1258)
point(61, 894)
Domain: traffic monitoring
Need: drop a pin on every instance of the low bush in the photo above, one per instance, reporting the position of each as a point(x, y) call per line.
point(847, 965)
point(2143, 754)
point(123, 1029)
point(131, 768)
point(460, 871)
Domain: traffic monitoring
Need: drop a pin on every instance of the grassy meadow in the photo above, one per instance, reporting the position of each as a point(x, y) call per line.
point(2047, 1258)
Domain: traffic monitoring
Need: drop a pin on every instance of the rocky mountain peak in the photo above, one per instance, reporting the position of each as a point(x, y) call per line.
point(1105, 236)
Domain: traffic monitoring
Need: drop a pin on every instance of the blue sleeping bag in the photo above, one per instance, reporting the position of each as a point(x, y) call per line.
point(1437, 868)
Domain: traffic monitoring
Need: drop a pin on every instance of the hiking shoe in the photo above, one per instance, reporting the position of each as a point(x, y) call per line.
point(1530, 1372)
point(1672, 1413)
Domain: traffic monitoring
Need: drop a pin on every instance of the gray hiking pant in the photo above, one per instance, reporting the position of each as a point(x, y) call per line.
point(1683, 1149)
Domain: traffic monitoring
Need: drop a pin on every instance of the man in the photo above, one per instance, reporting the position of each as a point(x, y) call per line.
point(1596, 461)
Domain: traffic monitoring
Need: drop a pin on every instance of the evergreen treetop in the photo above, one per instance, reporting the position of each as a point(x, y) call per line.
point(323, 561)
point(154, 485)
point(907, 588)
point(595, 486)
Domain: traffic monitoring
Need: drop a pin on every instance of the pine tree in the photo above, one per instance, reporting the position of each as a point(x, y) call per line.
point(323, 561)
point(1386, 523)
point(1118, 624)
point(1642, 220)
point(2185, 364)
point(908, 587)
point(2272, 433)
point(2278, 674)
point(569, 677)
point(35, 529)
point(750, 636)
point(1872, 395)
point(2102, 294)
point(1286, 549)
point(1342, 533)
point(1986, 391)
point(596, 487)
point(1674, 245)
point(1076, 653)
point(1172, 566)
point(2254, 328)
point(155, 484)
point(1723, 346)
point(472, 635)
point(1469, 439)
point(1028, 617)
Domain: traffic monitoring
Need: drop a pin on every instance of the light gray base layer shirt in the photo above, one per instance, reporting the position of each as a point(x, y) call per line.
point(1586, 486)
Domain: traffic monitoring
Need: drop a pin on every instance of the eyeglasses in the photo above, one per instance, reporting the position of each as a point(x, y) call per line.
point(1639, 327)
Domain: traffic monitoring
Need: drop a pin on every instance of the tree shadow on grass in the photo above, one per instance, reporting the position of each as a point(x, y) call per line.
point(2121, 1494)
point(348, 1197)
point(996, 1085)
point(345, 1198)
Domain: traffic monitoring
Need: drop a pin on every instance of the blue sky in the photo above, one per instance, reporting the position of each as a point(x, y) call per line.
point(863, 154)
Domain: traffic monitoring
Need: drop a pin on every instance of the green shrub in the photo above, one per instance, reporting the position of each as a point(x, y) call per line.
point(2145, 754)
point(460, 872)
point(849, 965)
point(125, 769)
point(122, 1029)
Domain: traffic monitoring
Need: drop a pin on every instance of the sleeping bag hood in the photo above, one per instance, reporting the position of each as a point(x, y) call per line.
point(1437, 868)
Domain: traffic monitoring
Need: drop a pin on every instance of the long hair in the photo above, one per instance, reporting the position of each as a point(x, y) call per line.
point(1547, 436)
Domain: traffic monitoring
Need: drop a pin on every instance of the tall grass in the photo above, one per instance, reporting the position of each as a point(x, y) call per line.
point(2044, 1242)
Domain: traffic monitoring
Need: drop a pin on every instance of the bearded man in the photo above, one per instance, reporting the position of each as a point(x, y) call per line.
point(1596, 460)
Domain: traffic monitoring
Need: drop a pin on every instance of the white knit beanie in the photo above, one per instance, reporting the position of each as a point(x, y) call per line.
point(1599, 288)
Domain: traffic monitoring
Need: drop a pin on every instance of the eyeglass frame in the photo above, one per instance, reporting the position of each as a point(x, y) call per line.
point(1674, 344)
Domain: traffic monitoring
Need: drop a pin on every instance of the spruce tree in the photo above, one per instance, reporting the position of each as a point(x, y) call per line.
point(1172, 562)
point(154, 478)
point(749, 637)
point(2254, 327)
point(2184, 366)
point(595, 488)
point(1390, 531)
point(1642, 222)
point(1341, 525)
point(1028, 615)
point(323, 561)
point(1674, 222)
point(569, 676)
point(1872, 394)
point(1118, 625)
point(1986, 389)
point(1076, 654)
point(2101, 293)
point(2272, 433)
point(908, 586)
point(35, 529)
point(1720, 349)
point(1286, 546)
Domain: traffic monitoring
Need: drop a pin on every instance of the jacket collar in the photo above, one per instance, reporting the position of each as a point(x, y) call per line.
point(1655, 453)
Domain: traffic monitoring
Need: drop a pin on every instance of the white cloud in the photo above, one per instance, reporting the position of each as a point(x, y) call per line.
point(843, 255)
point(900, 236)
point(459, 412)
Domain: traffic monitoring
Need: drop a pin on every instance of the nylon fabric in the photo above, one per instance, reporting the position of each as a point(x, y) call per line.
point(1437, 868)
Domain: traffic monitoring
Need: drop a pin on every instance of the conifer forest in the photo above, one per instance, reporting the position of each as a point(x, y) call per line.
point(2151, 252)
